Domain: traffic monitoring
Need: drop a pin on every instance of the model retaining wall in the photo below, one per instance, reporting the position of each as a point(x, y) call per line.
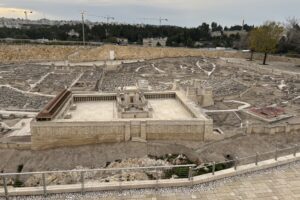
point(46, 135)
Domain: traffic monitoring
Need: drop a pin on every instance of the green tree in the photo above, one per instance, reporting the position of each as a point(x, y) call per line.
point(265, 38)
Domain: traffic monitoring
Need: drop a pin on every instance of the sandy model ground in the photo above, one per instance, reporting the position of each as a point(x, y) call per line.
point(30, 86)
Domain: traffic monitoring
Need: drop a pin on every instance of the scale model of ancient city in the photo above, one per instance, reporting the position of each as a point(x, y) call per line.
point(123, 107)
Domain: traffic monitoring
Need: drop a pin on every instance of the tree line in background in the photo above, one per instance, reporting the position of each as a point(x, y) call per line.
point(271, 37)
point(177, 36)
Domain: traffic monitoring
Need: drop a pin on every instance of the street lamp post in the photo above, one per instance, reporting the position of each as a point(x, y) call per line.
point(83, 34)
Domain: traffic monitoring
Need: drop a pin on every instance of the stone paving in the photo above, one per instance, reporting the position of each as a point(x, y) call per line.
point(278, 183)
point(272, 184)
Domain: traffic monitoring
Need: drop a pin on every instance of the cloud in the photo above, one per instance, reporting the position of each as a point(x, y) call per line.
point(19, 13)
point(165, 4)
point(179, 12)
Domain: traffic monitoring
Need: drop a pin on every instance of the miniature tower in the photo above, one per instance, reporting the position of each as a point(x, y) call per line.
point(200, 93)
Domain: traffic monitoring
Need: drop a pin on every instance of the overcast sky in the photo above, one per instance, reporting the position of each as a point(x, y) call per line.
point(179, 12)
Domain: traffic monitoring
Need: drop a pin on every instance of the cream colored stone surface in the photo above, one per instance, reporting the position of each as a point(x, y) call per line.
point(165, 109)
point(168, 109)
point(277, 184)
point(93, 111)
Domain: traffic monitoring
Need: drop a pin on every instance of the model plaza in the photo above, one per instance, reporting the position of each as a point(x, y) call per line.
point(129, 114)
point(129, 105)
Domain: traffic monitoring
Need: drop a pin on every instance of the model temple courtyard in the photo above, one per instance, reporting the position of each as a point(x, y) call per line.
point(129, 114)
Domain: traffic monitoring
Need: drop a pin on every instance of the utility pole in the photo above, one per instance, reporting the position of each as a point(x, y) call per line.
point(83, 34)
point(107, 23)
point(243, 25)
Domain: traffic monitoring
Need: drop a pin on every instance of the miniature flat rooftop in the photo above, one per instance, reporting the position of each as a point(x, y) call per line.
point(103, 107)
point(163, 109)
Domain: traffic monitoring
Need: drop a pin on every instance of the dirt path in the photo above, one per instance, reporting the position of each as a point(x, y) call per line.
point(27, 92)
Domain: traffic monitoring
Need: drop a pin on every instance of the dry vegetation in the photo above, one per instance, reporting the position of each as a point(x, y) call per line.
point(25, 53)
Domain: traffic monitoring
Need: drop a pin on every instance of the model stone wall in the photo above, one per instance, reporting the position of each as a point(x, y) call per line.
point(46, 135)
point(275, 129)
point(175, 130)
point(60, 133)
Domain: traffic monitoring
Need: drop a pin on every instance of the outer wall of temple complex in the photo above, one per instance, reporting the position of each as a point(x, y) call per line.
point(61, 131)
point(48, 135)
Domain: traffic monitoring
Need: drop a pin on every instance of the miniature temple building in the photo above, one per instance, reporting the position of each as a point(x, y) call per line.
point(131, 103)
